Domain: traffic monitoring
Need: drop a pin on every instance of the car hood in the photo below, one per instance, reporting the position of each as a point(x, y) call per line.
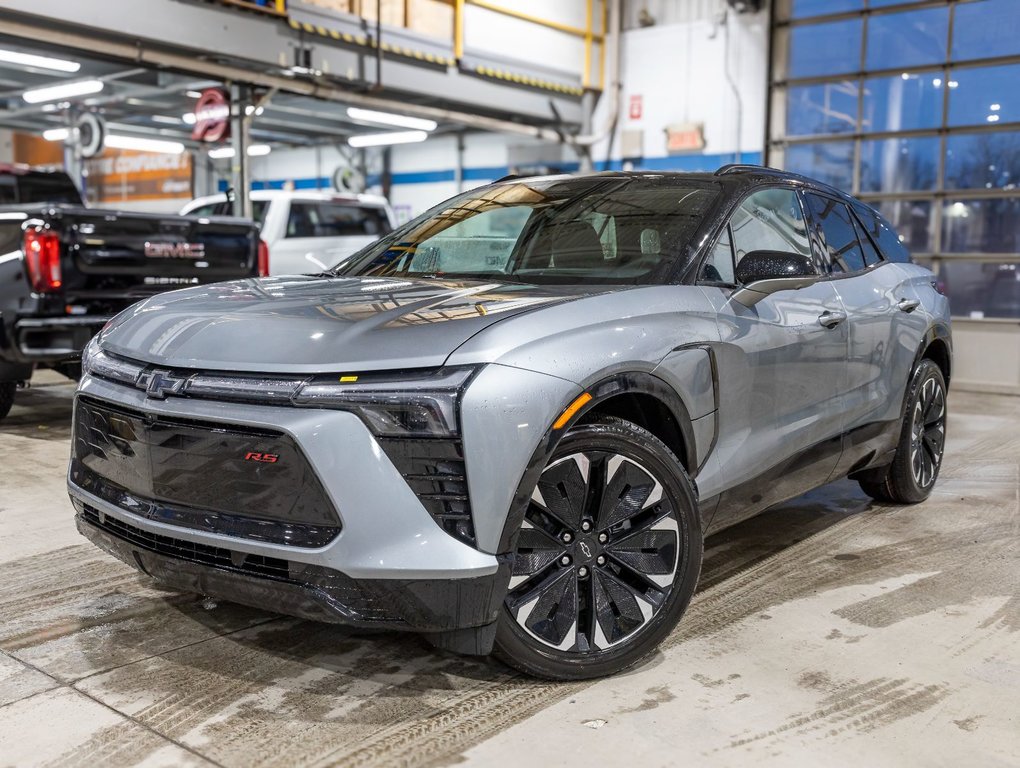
point(312, 324)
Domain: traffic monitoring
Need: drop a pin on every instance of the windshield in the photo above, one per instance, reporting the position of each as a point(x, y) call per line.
point(554, 230)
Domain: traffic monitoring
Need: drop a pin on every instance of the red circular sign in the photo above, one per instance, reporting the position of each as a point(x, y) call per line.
point(212, 116)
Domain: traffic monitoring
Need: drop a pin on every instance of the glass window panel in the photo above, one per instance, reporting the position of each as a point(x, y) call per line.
point(981, 226)
point(803, 8)
point(830, 162)
point(981, 288)
point(719, 264)
point(836, 234)
point(983, 95)
point(769, 220)
point(913, 223)
point(871, 254)
point(901, 102)
point(899, 165)
point(883, 3)
point(824, 108)
point(825, 49)
point(908, 39)
point(983, 160)
point(985, 29)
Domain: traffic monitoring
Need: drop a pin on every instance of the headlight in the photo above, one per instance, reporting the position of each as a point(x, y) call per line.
point(412, 404)
point(95, 362)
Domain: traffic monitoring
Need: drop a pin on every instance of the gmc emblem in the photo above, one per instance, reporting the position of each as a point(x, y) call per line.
point(264, 458)
point(175, 250)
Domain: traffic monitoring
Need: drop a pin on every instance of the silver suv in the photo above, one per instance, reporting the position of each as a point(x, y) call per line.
point(510, 424)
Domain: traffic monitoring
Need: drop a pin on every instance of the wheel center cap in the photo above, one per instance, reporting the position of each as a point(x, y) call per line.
point(586, 550)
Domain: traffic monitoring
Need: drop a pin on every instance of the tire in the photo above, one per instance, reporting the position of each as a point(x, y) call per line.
point(7, 390)
point(918, 458)
point(637, 560)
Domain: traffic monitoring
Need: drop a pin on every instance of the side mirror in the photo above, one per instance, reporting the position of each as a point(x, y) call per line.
point(762, 273)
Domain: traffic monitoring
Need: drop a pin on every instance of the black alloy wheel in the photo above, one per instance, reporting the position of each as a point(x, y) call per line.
point(607, 557)
point(915, 466)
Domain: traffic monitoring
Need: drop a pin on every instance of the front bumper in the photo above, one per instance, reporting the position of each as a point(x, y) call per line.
point(390, 563)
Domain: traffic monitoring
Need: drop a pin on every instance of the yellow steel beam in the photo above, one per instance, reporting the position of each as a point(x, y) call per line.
point(586, 78)
point(458, 29)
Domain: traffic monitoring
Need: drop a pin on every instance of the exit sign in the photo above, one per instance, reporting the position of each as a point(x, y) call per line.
point(685, 137)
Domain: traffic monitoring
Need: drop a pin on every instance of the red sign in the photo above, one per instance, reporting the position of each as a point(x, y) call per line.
point(212, 116)
point(636, 107)
point(685, 137)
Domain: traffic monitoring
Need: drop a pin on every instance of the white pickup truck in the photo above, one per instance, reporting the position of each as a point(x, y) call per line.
point(307, 231)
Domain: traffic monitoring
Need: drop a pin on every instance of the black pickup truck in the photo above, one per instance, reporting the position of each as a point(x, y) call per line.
point(66, 269)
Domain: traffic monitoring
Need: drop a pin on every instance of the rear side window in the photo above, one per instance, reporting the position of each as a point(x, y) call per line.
point(324, 219)
point(881, 232)
point(836, 234)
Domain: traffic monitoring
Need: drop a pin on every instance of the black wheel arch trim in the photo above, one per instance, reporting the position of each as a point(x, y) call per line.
point(627, 382)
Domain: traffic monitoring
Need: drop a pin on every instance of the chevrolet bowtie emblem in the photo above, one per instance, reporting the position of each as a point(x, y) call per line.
point(159, 383)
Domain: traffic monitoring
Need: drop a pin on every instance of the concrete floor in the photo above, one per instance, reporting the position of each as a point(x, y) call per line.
point(832, 631)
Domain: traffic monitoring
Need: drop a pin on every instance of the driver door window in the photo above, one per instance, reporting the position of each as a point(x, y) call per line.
point(767, 220)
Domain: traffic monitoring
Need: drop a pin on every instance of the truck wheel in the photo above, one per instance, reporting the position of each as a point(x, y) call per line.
point(7, 389)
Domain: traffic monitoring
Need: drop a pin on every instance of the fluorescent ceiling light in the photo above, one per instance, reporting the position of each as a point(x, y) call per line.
point(62, 91)
point(42, 62)
point(144, 145)
point(385, 139)
point(386, 118)
point(57, 134)
point(254, 150)
point(194, 94)
point(165, 119)
point(189, 118)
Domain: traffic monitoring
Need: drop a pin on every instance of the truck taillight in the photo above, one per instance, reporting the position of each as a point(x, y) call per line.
point(42, 260)
point(263, 258)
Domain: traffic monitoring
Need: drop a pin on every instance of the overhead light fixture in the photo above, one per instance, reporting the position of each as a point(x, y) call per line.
point(253, 110)
point(57, 134)
point(189, 118)
point(62, 91)
point(385, 139)
point(386, 118)
point(194, 94)
point(165, 119)
point(144, 145)
point(992, 118)
point(42, 62)
point(254, 150)
point(995, 107)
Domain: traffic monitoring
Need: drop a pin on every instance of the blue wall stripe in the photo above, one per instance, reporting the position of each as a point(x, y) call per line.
point(690, 163)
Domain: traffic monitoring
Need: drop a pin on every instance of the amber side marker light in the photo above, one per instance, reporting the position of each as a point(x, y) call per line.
point(573, 408)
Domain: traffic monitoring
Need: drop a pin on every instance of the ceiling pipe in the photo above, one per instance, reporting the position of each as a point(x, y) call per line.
point(230, 73)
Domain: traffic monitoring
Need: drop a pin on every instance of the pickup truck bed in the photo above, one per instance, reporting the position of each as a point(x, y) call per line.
point(66, 269)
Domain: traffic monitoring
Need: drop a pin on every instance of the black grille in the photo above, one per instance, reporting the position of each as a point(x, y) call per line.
point(435, 471)
point(219, 557)
point(341, 591)
point(236, 481)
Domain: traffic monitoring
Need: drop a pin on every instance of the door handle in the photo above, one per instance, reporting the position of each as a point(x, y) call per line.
point(907, 305)
point(830, 319)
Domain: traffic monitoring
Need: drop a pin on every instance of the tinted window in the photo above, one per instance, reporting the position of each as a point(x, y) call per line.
point(908, 39)
point(825, 108)
point(825, 49)
point(985, 29)
point(769, 220)
point(47, 188)
point(836, 234)
point(882, 233)
point(900, 103)
point(899, 165)
point(871, 254)
point(576, 231)
point(830, 162)
point(983, 95)
point(718, 266)
point(325, 219)
point(983, 160)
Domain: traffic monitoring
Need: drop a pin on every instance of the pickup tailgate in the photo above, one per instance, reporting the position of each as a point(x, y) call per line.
point(127, 256)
